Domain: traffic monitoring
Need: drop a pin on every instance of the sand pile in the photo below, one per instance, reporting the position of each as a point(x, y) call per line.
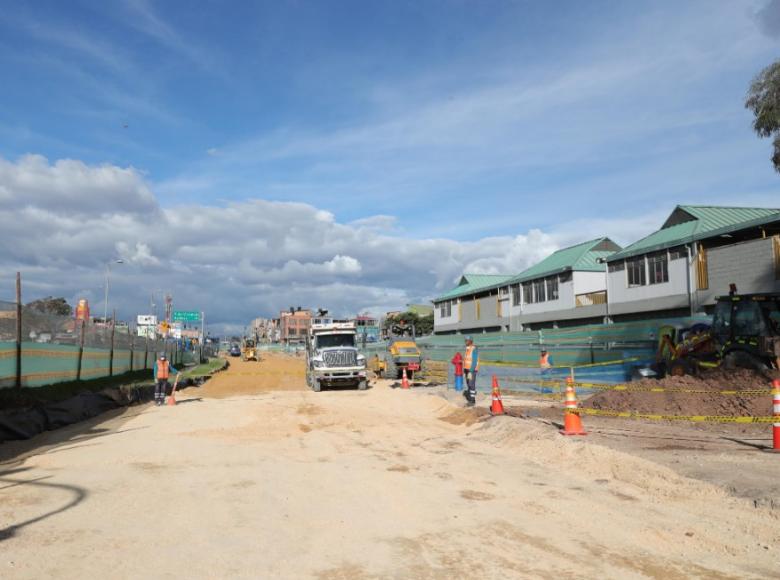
point(538, 443)
point(710, 402)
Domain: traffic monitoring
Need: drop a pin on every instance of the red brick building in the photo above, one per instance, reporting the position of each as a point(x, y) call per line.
point(295, 325)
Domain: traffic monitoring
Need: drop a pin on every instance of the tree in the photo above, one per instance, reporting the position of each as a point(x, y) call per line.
point(51, 305)
point(423, 325)
point(764, 100)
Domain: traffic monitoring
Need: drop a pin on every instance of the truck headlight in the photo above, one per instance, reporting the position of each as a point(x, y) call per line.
point(317, 363)
point(361, 360)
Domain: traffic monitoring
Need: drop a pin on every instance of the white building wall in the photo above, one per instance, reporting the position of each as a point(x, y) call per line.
point(564, 302)
point(587, 282)
point(619, 292)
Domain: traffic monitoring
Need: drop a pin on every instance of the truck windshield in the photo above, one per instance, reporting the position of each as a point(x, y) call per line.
point(407, 350)
point(331, 340)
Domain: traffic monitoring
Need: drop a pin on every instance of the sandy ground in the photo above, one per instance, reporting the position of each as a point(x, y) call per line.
point(243, 480)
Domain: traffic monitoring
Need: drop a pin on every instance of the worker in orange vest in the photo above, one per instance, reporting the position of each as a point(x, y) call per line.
point(471, 368)
point(545, 361)
point(162, 370)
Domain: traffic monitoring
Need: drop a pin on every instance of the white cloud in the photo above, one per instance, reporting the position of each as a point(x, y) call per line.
point(63, 221)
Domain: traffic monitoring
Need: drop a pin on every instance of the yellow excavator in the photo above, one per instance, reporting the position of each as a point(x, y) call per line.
point(249, 350)
point(402, 353)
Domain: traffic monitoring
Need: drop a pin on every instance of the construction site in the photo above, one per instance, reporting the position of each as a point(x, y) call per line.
point(350, 290)
point(255, 475)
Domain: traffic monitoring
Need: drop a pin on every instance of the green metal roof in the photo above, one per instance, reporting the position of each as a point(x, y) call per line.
point(690, 223)
point(473, 283)
point(582, 258)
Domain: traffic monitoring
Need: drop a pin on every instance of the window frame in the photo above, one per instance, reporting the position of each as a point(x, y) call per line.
point(552, 289)
point(653, 270)
point(517, 296)
point(539, 285)
point(636, 266)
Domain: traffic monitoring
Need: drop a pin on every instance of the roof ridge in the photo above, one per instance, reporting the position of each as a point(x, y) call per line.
point(592, 242)
point(727, 207)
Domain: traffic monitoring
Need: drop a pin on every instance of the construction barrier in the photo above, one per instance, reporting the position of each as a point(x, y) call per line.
point(657, 417)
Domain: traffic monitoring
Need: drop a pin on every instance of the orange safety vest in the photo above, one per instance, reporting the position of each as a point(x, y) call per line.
point(469, 357)
point(544, 362)
point(163, 369)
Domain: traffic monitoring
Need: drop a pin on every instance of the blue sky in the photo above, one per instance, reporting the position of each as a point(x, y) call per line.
point(426, 120)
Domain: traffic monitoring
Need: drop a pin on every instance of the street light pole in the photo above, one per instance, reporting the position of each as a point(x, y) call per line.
point(108, 277)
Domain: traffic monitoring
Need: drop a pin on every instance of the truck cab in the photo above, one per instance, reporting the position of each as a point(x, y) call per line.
point(332, 357)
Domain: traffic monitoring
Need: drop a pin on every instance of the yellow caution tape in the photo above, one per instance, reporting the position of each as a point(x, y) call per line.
point(656, 417)
point(603, 364)
point(496, 363)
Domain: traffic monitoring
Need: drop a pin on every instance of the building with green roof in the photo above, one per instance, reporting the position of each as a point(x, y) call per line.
point(568, 287)
point(699, 250)
point(677, 270)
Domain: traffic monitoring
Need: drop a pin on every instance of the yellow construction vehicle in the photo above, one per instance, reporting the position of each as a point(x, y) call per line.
point(249, 350)
point(401, 353)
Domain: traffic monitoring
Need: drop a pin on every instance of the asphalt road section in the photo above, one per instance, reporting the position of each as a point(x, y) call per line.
point(246, 481)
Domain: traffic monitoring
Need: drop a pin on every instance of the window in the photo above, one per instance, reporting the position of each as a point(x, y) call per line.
point(516, 296)
point(658, 265)
point(528, 295)
point(618, 266)
point(565, 277)
point(445, 309)
point(539, 290)
point(552, 288)
point(677, 252)
point(748, 319)
point(636, 272)
point(503, 291)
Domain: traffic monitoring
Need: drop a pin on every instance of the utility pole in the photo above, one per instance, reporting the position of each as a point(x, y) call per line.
point(18, 330)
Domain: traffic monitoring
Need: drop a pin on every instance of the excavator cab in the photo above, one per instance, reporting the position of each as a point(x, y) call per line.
point(746, 328)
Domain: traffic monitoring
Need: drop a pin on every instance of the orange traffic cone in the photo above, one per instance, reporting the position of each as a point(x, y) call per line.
point(404, 380)
point(497, 406)
point(572, 424)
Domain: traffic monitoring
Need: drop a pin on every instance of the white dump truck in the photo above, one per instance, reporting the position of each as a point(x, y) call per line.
point(332, 357)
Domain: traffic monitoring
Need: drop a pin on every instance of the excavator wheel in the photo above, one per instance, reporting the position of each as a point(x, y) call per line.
point(680, 368)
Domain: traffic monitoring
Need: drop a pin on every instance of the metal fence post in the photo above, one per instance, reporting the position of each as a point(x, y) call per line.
point(81, 349)
point(146, 352)
point(111, 352)
point(132, 352)
point(18, 330)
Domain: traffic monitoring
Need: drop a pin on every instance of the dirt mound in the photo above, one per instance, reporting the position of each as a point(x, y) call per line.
point(466, 416)
point(709, 402)
point(626, 473)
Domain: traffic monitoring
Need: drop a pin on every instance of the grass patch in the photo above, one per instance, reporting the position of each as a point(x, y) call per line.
point(12, 398)
point(207, 368)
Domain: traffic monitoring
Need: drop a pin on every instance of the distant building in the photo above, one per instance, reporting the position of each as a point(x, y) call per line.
point(473, 305)
point(567, 288)
point(676, 271)
point(368, 329)
point(699, 250)
point(294, 325)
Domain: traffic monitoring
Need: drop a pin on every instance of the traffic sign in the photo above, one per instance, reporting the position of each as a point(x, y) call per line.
point(185, 316)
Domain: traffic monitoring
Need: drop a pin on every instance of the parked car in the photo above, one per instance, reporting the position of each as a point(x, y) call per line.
point(235, 350)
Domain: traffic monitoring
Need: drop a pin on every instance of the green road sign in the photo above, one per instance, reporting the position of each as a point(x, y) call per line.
point(185, 316)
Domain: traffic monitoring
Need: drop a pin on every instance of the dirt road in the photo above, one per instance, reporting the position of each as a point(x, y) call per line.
point(243, 480)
